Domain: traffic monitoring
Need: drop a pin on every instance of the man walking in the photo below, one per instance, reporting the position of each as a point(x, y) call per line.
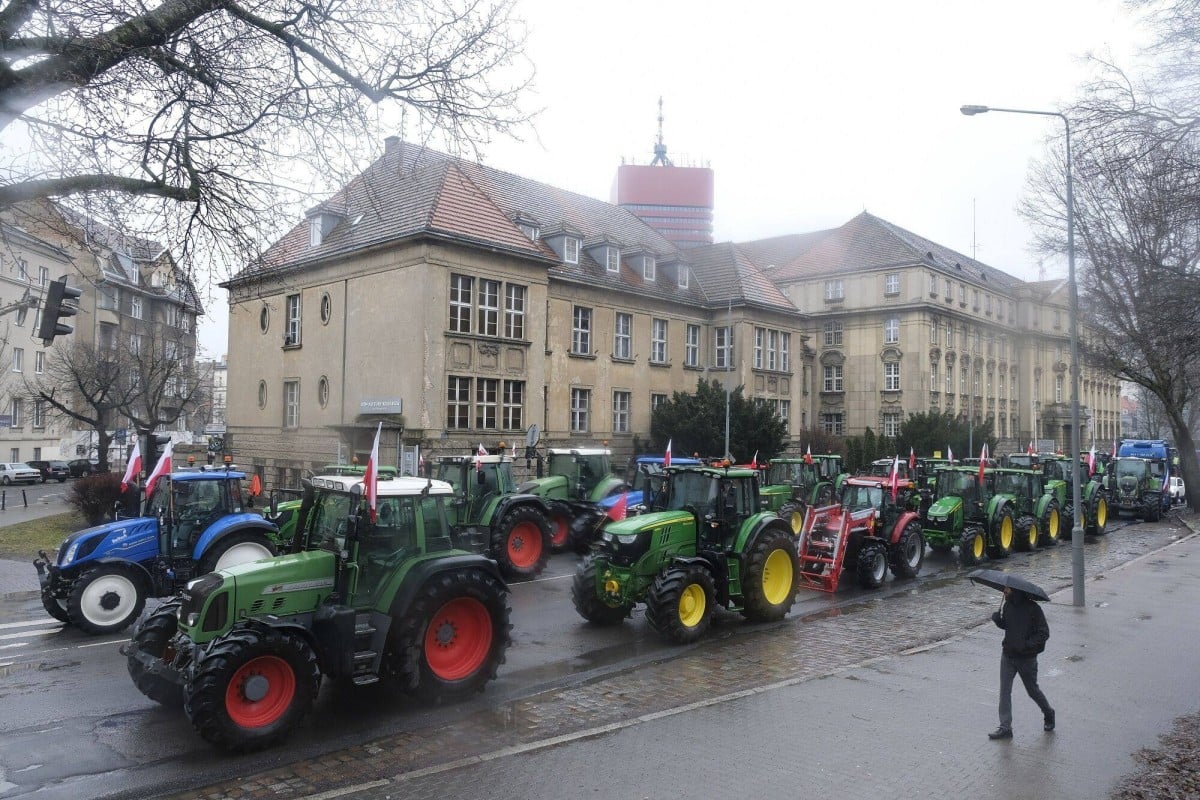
point(1025, 635)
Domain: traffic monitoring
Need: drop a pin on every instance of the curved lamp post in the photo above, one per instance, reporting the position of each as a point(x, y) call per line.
point(1077, 530)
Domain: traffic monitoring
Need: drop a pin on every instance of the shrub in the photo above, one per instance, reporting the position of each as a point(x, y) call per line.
point(93, 496)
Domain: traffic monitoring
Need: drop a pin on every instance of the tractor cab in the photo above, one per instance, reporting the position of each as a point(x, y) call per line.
point(720, 499)
point(584, 468)
point(475, 481)
point(186, 505)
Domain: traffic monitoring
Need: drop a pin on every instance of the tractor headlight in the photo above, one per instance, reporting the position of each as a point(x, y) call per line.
point(193, 619)
point(627, 538)
point(611, 586)
point(605, 536)
point(70, 556)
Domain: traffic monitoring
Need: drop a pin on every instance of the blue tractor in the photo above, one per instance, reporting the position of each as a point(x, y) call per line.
point(644, 476)
point(194, 523)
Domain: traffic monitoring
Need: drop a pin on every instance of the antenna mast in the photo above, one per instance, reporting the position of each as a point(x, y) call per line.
point(660, 149)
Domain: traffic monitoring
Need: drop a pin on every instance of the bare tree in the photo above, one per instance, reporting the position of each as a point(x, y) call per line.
point(163, 382)
point(83, 384)
point(182, 114)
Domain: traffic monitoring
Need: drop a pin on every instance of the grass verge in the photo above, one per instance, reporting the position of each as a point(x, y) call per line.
point(22, 540)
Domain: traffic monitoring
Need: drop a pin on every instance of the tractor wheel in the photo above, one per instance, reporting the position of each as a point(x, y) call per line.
point(972, 547)
point(793, 514)
point(453, 638)
point(906, 556)
point(1098, 519)
point(1000, 544)
point(872, 565)
point(680, 604)
point(1050, 525)
point(560, 532)
point(1027, 534)
point(106, 599)
point(1151, 508)
point(238, 548)
point(585, 594)
point(55, 607)
point(521, 543)
point(769, 576)
point(252, 688)
point(154, 636)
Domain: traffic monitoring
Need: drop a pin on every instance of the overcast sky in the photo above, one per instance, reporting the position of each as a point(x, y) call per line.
point(810, 113)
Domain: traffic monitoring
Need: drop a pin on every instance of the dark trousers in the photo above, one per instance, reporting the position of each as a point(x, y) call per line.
point(1010, 667)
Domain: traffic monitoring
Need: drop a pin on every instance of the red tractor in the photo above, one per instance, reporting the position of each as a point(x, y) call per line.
point(870, 529)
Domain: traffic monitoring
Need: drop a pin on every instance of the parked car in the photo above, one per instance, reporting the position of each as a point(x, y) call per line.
point(82, 466)
point(16, 472)
point(51, 470)
point(1178, 490)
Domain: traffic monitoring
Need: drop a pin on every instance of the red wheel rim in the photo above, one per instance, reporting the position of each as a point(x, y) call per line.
point(559, 531)
point(524, 545)
point(279, 690)
point(458, 639)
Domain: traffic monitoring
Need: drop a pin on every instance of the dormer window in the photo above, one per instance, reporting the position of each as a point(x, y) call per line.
point(571, 250)
point(314, 231)
point(612, 259)
point(529, 230)
point(321, 222)
point(648, 267)
point(683, 276)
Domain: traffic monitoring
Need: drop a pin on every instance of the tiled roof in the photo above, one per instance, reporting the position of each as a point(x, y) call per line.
point(728, 274)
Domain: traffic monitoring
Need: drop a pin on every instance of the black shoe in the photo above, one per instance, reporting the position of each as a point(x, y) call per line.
point(1001, 733)
point(1049, 726)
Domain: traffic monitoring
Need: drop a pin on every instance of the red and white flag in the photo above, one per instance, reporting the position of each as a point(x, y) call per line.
point(163, 467)
point(619, 508)
point(950, 455)
point(754, 461)
point(1029, 450)
point(1114, 450)
point(479, 453)
point(667, 455)
point(895, 477)
point(808, 455)
point(1092, 461)
point(912, 459)
point(135, 465)
point(371, 478)
point(983, 458)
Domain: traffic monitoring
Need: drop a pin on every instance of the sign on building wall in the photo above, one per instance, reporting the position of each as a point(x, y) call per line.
point(386, 406)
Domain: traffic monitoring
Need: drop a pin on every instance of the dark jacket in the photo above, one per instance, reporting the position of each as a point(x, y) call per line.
point(1024, 624)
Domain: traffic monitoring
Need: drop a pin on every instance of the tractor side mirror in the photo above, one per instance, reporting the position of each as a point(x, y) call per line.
point(480, 477)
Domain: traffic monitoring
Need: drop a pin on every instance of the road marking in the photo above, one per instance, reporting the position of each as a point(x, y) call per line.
point(29, 624)
point(99, 644)
point(24, 634)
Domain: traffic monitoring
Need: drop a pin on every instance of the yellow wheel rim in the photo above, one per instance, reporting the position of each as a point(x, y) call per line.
point(1006, 533)
point(1101, 513)
point(1033, 535)
point(692, 603)
point(977, 546)
point(777, 577)
point(797, 521)
point(1052, 526)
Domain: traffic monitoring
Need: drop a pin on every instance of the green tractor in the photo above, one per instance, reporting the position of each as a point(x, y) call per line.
point(705, 542)
point(358, 599)
point(988, 518)
point(812, 481)
point(1133, 487)
point(1036, 509)
point(512, 528)
point(578, 478)
point(1059, 476)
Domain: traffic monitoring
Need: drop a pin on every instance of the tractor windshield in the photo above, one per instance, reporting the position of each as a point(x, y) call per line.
point(451, 473)
point(328, 520)
point(827, 467)
point(785, 473)
point(1132, 467)
point(645, 478)
point(1011, 483)
point(953, 483)
point(861, 498)
point(695, 489)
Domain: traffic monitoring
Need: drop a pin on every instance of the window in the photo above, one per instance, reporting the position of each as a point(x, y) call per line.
point(962, 381)
point(949, 337)
point(760, 337)
point(833, 334)
point(1058, 388)
point(22, 270)
point(649, 268)
point(107, 297)
point(1012, 311)
point(1057, 319)
point(461, 287)
point(513, 408)
point(1003, 380)
point(514, 312)
point(772, 349)
point(891, 284)
point(975, 340)
point(783, 410)
point(891, 330)
point(833, 378)
point(620, 420)
point(622, 335)
point(657, 400)
point(962, 294)
point(833, 423)
point(975, 299)
point(292, 337)
point(785, 351)
point(16, 408)
point(291, 404)
point(581, 332)
point(987, 304)
point(323, 392)
point(933, 332)
point(135, 307)
point(612, 259)
point(975, 383)
point(949, 289)
point(722, 348)
point(571, 250)
point(932, 284)
point(891, 376)
point(39, 361)
point(18, 359)
point(581, 401)
point(326, 308)
point(39, 414)
point(933, 376)
point(489, 307)
point(683, 276)
point(264, 318)
point(949, 380)
point(891, 425)
point(658, 341)
point(834, 290)
point(43, 276)
point(486, 390)
point(262, 394)
point(691, 346)
point(458, 403)
point(135, 345)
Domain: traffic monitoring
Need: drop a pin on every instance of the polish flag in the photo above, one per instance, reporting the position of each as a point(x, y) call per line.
point(1092, 461)
point(983, 457)
point(135, 465)
point(1029, 450)
point(895, 479)
point(619, 508)
point(479, 453)
point(808, 455)
point(950, 455)
point(754, 461)
point(371, 477)
point(667, 455)
point(163, 467)
point(1114, 450)
point(912, 459)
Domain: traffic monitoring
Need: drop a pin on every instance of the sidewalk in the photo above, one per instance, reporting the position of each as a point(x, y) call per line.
point(910, 725)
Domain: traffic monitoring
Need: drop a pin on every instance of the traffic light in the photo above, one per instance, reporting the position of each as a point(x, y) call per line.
point(57, 295)
point(154, 444)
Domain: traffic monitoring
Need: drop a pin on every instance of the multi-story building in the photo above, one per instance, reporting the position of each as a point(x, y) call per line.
point(457, 304)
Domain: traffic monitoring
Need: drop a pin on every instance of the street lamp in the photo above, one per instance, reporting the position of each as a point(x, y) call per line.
point(1077, 530)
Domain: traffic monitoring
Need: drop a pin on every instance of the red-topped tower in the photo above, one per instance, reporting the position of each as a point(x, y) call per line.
point(675, 201)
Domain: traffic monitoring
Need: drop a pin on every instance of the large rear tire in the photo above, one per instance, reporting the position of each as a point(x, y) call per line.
point(792, 513)
point(252, 688)
point(872, 565)
point(154, 636)
point(585, 594)
point(1050, 525)
point(55, 607)
point(1000, 543)
point(1027, 535)
point(521, 543)
point(453, 638)
point(560, 532)
point(106, 599)
point(972, 547)
point(1098, 518)
point(679, 605)
point(237, 548)
point(906, 556)
point(770, 578)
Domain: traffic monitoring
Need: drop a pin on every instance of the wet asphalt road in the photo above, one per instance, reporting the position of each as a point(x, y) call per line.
point(73, 725)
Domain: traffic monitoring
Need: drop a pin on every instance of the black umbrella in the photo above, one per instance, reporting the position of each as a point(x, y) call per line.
point(998, 580)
